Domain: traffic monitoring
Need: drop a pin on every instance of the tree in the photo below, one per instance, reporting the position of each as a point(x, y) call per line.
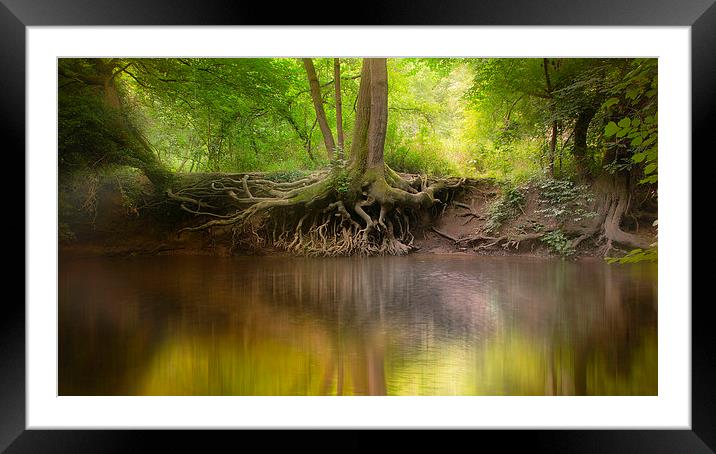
point(94, 123)
point(628, 142)
point(363, 208)
point(245, 113)
point(318, 105)
point(554, 126)
point(339, 105)
point(576, 92)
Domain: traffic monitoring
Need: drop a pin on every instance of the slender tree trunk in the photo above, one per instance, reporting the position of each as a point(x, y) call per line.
point(181, 167)
point(553, 137)
point(318, 105)
point(552, 147)
point(339, 105)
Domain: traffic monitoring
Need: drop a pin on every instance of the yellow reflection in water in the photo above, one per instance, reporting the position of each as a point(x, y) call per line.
point(407, 326)
point(307, 362)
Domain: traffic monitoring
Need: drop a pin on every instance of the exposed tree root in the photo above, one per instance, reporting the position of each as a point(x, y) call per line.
point(611, 206)
point(445, 235)
point(315, 215)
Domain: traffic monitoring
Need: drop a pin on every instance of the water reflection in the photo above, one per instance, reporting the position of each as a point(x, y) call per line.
point(419, 325)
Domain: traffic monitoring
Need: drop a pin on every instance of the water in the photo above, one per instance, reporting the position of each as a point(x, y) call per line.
point(416, 325)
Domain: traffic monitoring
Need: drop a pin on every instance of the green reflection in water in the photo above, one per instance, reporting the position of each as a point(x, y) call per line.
point(421, 325)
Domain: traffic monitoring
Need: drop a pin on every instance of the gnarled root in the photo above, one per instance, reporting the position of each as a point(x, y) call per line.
point(311, 216)
point(612, 206)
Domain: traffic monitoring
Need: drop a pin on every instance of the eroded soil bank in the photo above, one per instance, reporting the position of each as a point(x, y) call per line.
point(122, 215)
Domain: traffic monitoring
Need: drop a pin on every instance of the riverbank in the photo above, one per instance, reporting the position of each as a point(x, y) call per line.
point(122, 216)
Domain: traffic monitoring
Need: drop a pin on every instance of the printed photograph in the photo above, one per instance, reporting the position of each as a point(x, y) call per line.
point(335, 226)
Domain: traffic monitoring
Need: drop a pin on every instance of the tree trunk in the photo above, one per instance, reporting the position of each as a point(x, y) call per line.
point(339, 105)
point(139, 152)
point(581, 126)
point(553, 137)
point(552, 147)
point(318, 105)
point(613, 198)
point(378, 124)
point(359, 142)
point(363, 209)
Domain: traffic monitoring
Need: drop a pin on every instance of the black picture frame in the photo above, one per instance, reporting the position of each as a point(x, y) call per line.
point(16, 15)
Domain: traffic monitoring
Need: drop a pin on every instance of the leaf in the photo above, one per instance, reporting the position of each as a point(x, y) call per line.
point(611, 129)
point(624, 122)
point(637, 141)
point(633, 93)
point(638, 157)
point(610, 102)
point(649, 168)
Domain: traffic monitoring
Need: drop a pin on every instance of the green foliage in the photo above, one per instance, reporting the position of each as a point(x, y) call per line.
point(285, 176)
point(86, 136)
point(637, 255)
point(425, 110)
point(471, 117)
point(65, 233)
point(341, 177)
point(508, 206)
point(633, 129)
point(558, 242)
point(132, 194)
point(564, 200)
point(419, 159)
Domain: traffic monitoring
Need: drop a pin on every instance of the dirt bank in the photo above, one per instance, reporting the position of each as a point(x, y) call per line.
point(120, 215)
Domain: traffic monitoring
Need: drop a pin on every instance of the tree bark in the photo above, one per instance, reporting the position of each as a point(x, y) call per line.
point(139, 151)
point(378, 124)
point(581, 127)
point(552, 147)
point(553, 138)
point(318, 105)
point(359, 142)
point(339, 105)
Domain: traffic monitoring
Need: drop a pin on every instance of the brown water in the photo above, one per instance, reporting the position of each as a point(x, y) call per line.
point(417, 325)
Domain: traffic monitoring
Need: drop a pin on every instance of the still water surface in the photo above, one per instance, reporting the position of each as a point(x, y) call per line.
point(417, 325)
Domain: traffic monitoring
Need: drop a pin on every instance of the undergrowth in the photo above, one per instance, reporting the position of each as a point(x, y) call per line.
point(505, 208)
point(563, 200)
point(558, 242)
